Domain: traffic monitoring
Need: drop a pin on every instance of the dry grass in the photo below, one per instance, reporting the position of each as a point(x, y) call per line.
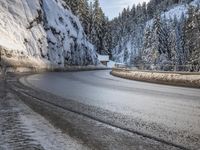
point(178, 79)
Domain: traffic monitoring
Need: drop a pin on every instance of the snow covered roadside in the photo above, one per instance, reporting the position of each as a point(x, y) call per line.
point(21, 128)
point(50, 68)
point(38, 65)
point(178, 79)
point(48, 136)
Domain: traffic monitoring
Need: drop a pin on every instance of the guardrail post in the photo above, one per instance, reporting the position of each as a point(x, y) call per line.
point(3, 74)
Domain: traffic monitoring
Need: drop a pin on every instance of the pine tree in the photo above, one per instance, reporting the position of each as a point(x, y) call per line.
point(157, 33)
point(161, 41)
point(96, 30)
point(192, 34)
point(180, 41)
point(85, 16)
point(99, 28)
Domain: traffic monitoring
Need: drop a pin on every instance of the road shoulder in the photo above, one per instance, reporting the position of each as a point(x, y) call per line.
point(22, 128)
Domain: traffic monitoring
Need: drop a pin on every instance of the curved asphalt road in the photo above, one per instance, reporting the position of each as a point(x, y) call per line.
point(167, 112)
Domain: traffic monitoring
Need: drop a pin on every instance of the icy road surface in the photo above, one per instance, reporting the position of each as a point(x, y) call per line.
point(166, 112)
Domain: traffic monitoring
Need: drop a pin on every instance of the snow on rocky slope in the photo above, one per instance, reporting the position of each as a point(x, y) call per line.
point(42, 33)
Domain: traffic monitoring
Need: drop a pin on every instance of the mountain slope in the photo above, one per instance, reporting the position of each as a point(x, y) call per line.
point(133, 42)
point(42, 33)
point(162, 40)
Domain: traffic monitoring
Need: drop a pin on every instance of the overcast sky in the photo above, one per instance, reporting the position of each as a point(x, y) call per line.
point(113, 7)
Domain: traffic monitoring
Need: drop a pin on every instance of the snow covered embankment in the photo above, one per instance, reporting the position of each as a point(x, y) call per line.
point(42, 34)
point(182, 79)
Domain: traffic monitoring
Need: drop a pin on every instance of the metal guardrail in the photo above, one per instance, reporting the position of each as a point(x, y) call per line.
point(165, 68)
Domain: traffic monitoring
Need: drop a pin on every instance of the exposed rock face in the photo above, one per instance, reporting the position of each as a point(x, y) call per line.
point(42, 33)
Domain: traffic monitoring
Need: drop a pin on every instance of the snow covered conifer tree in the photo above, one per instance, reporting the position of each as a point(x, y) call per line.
point(157, 33)
point(192, 34)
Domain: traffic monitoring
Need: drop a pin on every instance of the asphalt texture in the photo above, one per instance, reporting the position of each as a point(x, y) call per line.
point(137, 115)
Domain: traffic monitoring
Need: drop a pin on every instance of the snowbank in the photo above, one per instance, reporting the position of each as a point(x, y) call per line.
point(178, 79)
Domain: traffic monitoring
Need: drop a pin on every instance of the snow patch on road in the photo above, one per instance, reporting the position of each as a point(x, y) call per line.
point(22, 128)
point(48, 136)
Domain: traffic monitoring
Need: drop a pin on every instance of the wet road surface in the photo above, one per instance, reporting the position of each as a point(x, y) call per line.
point(169, 113)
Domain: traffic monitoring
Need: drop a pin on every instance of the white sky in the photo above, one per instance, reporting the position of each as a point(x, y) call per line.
point(112, 8)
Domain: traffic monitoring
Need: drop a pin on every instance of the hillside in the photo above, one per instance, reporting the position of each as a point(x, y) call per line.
point(169, 39)
point(42, 33)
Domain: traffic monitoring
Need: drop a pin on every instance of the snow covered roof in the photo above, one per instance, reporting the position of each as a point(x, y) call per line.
point(103, 57)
